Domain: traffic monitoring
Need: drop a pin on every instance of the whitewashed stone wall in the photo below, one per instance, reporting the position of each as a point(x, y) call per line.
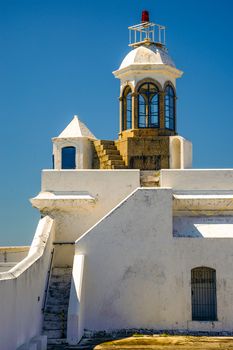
point(22, 291)
point(138, 275)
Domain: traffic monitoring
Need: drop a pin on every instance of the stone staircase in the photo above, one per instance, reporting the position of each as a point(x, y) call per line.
point(149, 178)
point(108, 155)
point(56, 308)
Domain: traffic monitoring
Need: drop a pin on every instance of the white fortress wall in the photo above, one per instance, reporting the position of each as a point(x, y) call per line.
point(22, 290)
point(140, 260)
point(211, 252)
point(124, 292)
point(77, 199)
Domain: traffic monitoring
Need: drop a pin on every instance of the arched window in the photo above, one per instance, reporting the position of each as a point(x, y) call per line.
point(203, 286)
point(169, 106)
point(148, 106)
point(68, 158)
point(127, 109)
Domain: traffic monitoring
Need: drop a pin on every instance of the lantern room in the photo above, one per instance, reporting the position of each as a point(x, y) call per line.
point(148, 138)
point(148, 82)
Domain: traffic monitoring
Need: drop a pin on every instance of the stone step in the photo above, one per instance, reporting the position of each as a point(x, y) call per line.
point(110, 151)
point(115, 162)
point(107, 157)
point(149, 178)
point(61, 276)
point(59, 309)
point(55, 333)
point(54, 317)
point(55, 287)
point(107, 142)
point(61, 284)
point(103, 142)
point(102, 148)
point(107, 167)
point(61, 270)
point(54, 325)
point(55, 302)
point(119, 167)
point(61, 341)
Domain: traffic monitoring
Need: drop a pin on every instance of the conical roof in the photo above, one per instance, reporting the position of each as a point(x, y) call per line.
point(76, 128)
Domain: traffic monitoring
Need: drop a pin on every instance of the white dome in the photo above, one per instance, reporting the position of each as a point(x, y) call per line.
point(147, 55)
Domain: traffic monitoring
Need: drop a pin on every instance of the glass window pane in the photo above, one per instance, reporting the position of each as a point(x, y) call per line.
point(127, 109)
point(148, 106)
point(68, 158)
point(169, 108)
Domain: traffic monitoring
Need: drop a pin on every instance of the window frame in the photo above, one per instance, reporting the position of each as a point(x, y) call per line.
point(203, 294)
point(127, 111)
point(73, 155)
point(169, 107)
point(148, 97)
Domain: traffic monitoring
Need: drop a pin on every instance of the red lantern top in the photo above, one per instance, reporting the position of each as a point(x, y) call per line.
point(145, 16)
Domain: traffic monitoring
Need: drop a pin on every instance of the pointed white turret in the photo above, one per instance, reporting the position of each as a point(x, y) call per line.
point(76, 128)
point(72, 149)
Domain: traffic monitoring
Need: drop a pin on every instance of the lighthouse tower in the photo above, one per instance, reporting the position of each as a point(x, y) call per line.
point(148, 137)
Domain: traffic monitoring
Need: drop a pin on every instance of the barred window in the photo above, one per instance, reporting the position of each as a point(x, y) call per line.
point(203, 286)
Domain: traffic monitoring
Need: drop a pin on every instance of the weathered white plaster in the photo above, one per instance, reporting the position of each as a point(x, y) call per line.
point(74, 216)
point(77, 135)
point(203, 204)
point(22, 290)
point(121, 244)
point(203, 227)
point(147, 54)
point(180, 153)
point(40, 341)
point(10, 256)
point(143, 62)
point(198, 179)
point(144, 267)
point(13, 254)
point(75, 315)
point(76, 128)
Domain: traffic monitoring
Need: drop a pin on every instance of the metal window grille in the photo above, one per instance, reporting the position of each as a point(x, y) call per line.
point(203, 287)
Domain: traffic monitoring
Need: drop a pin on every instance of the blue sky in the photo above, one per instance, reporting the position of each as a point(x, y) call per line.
point(56, 60)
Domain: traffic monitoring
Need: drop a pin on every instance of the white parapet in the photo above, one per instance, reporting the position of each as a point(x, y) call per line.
point(22, 291)
point(198, 179)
